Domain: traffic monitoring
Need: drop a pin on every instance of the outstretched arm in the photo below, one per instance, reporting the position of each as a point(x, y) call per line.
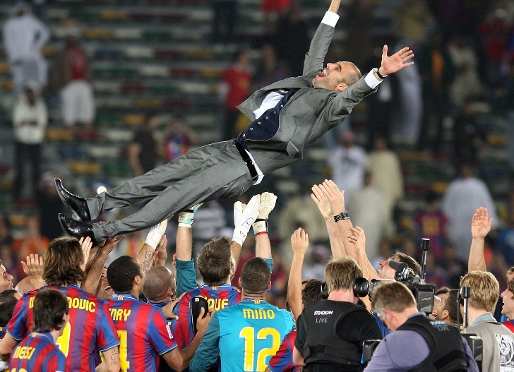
point(321, 40)
point(260, 226)
point(480, 227)
point(336, 199)
point(244, 216)
point(299, 244)
point(96, 265)
point(336, 241)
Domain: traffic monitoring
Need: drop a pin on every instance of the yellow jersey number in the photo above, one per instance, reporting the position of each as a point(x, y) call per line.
point(248, 333)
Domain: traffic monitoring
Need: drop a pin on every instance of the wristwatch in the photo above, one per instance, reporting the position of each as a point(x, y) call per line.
point(379, 74)
point(342, 216)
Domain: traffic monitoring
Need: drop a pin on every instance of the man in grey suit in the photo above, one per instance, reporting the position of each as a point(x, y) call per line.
point(287, 116)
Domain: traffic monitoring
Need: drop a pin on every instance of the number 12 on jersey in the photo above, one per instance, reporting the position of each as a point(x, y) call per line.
point(248, 333)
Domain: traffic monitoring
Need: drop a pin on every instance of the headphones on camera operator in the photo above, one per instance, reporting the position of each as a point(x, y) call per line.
point(360, 288)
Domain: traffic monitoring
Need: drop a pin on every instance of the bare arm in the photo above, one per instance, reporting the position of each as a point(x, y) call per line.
point(260, 226)
point(336, 241)
point(299, 244)
point(336, 199)
point(480, 227)
point(160, 254)
point(359, 239)
point(94, 269)
point(7, 345)
point(112, 359)
point(298, 357)
point(145, 254)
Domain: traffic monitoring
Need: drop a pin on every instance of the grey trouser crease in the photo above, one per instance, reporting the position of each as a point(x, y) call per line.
point(206, 173)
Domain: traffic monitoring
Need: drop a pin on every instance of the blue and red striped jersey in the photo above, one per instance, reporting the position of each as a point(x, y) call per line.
point(218, 297)
point(283, 360)
point(2, 332)
point(143, 331)
point(509, 324)
point(37, 353)
point(89, 330)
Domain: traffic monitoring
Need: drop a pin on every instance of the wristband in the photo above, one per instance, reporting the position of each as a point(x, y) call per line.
point(377, 70)
point(342, 216)
point(260, 225)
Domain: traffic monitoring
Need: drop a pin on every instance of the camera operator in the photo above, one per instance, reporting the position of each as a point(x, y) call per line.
point(330, 333)
point(415, 341)
point(498, 340)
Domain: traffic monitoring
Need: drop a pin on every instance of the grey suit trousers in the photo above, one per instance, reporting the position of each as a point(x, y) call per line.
point(206, 173)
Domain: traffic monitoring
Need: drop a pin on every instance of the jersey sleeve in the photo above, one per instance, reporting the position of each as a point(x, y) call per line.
point(208, 351)
point(159, 333)
point(17, 326)
point(186, 276)
point(282, 361)
point(107, 336)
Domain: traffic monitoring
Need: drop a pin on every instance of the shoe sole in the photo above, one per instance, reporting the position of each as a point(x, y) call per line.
point(74, 214)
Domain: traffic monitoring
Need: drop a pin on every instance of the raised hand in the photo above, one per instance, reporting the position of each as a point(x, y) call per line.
point(395, 62)
point(481, 223)
point(33, 268)
point(319, 197)
point(86, 244)
point(266, 205)
point(334, 195)
point(358, 238)
point(299, 241)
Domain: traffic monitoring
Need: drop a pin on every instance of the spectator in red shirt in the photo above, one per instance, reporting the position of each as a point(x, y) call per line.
point(72, 75)
point(235, 88)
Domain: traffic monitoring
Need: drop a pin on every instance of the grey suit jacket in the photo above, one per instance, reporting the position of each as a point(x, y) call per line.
point(310, 113)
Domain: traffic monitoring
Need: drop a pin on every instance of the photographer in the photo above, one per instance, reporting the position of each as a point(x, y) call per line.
point(415, 341)
point(330, 333)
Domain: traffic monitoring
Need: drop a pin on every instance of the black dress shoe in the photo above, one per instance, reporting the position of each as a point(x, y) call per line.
point(76, 204)
point(77, 229)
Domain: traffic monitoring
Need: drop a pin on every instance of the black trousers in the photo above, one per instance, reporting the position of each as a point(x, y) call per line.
point(26, 154)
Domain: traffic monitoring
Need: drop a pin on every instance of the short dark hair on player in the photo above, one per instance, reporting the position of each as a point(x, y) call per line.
point(311, 293)
point(215, 261)
point(63, 258)
point(49, 309)
point(7, 304)
point(255, 276)
point(121, 273)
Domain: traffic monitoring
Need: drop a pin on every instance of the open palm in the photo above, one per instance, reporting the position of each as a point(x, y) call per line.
point(397, 61)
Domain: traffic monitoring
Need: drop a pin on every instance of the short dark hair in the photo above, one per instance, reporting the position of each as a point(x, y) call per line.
point(62, 260)
point(214, 261)
point(411, 262)
point(442, 290)
point(157, 281)
point(311, 293)
point(255, 276)
point(451, 304)
point(121, 273)
point(49, 309)
point(7, 304)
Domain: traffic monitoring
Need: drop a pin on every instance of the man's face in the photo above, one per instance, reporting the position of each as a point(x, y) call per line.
point(385, 271)
point(331, 76)
point(439, 306)
point(104, 291)
point(508, 303)
point(5, 279)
